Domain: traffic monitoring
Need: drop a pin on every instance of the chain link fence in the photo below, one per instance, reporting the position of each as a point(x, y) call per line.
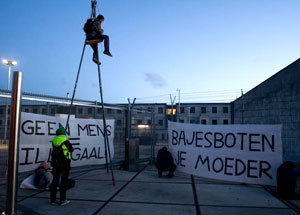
point(141, 126)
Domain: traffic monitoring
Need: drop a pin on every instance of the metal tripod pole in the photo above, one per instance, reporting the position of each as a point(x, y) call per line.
point(106, 143)
point(74, 91)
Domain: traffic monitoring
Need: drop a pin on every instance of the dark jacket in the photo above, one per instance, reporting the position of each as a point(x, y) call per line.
point(39, 173)
point(164, 159)
point(97, 30)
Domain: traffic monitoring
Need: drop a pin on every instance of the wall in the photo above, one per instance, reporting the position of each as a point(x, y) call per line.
point(275, 101)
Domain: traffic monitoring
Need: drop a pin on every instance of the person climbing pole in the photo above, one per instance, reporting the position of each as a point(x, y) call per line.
point(94, 31)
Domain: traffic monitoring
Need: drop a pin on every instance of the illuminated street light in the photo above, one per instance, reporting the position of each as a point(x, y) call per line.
point(9, 63)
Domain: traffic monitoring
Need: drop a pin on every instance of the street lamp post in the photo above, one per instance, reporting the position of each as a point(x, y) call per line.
point(9, 64)
point(178, 119)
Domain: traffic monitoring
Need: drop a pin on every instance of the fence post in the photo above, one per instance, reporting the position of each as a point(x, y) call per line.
point(127, 131)
point(13, 144)
point(153, 142)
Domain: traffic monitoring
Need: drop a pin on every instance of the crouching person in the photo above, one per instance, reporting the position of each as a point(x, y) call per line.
point(287, 175)
point(164, 162)
point(43, 176)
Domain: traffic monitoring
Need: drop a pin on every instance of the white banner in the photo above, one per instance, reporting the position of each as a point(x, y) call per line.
point(240, 153)
point(86, 136)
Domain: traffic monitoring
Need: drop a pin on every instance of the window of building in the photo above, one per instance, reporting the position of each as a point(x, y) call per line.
point(90, 110)
point(99, 110)
point(0, 122)
point(52, 110)
point(214, 122)
point(192, 110)
point(160, 110)
point(44, 111)
point(1, 111)
point(139, 121)
point(163, 136)
point(59, 109)
point(203, 121)
point(169, 111)
point(26, 110)
point(225, 122)
point(109, 111)
point(225, 109)
point(149, 109)
point(119, 122)
point(193, 121)
point(139, 111)
point(149, 121)
point(203, 109)
point(214, 109)
point(181, 109)
point(160, 122)
point(8, 111)
point(181, 120)
point(119, 111)
point(35, 110)
point(79, 110)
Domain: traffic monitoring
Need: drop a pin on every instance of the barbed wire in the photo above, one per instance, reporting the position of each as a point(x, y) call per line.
point(202, 96)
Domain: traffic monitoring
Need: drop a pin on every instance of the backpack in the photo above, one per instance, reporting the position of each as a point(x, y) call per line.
point(88, 26)
point(57, 156)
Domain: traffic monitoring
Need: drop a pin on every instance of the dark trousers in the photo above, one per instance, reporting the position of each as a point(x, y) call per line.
point(286, 188)
point(161, 169)
point(63, 173)
point(95, 45)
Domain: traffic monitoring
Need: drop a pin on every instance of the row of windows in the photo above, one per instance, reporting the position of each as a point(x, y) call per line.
point(204, 121)
point(193, 109)
point(203, 109)
point(215, 121)
point(111, 111)
point(79, 111)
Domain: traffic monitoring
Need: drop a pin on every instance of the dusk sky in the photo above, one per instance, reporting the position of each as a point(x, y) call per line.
point(210, 49)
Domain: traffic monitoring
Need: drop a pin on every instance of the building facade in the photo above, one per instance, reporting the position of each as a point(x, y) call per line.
point(147, 119)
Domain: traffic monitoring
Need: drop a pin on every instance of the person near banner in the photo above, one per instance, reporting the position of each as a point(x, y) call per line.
point(287, 174)
point(43, 176)
point(165, 162)
point(61, 163)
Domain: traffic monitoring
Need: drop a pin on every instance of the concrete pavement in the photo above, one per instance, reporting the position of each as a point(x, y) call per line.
point(144, 193)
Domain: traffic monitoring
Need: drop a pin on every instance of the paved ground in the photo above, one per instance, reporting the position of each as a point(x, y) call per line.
point(144, 193)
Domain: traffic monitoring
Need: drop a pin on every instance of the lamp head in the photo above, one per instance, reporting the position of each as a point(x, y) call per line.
point(4, 61)
point(9, 62)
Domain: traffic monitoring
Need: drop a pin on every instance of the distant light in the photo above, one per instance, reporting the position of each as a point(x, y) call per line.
point(9, 63)
point(143, 126)
point(4, 61)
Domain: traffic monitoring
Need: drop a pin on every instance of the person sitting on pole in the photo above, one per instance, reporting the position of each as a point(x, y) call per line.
point(94, 31)
point(165, 162)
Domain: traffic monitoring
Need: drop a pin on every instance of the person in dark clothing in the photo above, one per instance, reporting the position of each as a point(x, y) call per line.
point(97, 34)
point(43, 176)
point(61, 160)
point(164, 162)
point(287, 175)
